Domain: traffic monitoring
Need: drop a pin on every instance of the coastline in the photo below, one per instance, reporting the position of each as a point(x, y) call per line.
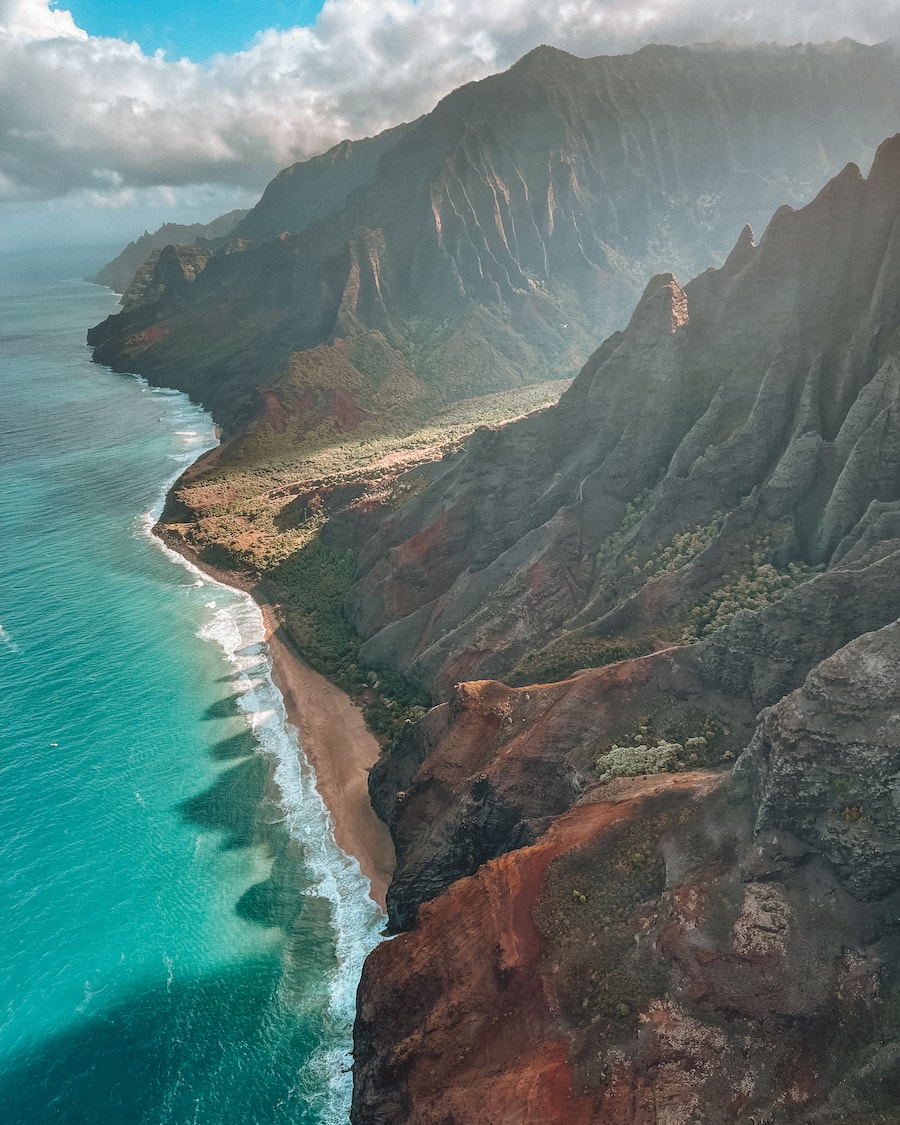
point(332, 734)
point(341, 750)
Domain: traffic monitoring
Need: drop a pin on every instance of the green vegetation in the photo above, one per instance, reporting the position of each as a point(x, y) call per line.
point(570, 653)
point(634, 512)
point(680, 550)
point(574, 651)
point(243, 506)
point(261, 511)
point(622, 575)
point(755, 587)
point(646, 751)
point(642, 758)
point(683, 546)
point(311, 586)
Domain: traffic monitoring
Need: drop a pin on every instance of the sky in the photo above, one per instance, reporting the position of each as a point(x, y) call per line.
point(118, 115)
point(193, 30)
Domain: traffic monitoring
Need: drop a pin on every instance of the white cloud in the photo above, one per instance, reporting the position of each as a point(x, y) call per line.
point(28, 21)
point(88, 115)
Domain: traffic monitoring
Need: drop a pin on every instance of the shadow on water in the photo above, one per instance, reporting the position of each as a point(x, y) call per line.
point(218, 1049)
point(279, 900)
point(234, 804)
point(238, 746)
point(239, 805)
point(225, 708)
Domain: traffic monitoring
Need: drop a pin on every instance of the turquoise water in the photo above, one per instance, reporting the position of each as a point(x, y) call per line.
point(181, 939)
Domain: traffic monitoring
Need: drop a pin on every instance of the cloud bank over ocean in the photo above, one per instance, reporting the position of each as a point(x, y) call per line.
point(97, 122)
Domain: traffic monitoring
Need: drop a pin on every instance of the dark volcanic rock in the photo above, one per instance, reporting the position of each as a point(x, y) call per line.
point(445, 774)
point(825, 764)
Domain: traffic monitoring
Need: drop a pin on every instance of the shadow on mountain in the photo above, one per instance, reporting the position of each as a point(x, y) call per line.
point(205, 1051)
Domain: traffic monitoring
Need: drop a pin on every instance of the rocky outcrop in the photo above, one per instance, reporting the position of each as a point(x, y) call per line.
point(824, 764)
point(486, 772)
point(494, 239)
point(763, 656)
point(142, 254)
point(646, 960)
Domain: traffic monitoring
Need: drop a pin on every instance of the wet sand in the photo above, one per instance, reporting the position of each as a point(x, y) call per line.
point(341, 750)
point(333, 735)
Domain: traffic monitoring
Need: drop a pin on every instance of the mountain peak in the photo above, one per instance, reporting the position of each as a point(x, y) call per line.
point(886, 165)
point(742, 252)
point(542, 55)
point(663, 307)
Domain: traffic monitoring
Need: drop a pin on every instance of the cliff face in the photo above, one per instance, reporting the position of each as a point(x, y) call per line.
point(143, 253)
point(739, 435)
point(496, 237)
point(607, 922)
point(646, 961)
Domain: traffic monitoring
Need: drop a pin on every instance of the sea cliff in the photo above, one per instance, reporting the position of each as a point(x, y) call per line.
point(633, 655)
point(669, 943)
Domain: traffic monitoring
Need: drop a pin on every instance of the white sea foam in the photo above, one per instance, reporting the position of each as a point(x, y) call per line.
point(237, 628)
point(6, 641)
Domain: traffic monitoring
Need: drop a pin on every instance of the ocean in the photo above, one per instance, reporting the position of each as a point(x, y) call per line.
point(181, 939)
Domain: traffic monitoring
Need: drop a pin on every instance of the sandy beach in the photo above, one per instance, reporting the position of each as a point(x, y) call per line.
point(333, 735)
point(341, 749)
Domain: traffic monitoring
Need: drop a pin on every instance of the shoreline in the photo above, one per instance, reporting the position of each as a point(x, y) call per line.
point(332, 734)
point(340, 748)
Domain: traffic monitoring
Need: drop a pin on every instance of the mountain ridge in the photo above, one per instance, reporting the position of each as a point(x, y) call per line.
point(143, 253)
point(541, 198)
point(684, 452)
point(676, 873)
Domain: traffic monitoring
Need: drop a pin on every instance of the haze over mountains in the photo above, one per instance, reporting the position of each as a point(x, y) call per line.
point(494, 241)
point(119, 274)
point(648, 858)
